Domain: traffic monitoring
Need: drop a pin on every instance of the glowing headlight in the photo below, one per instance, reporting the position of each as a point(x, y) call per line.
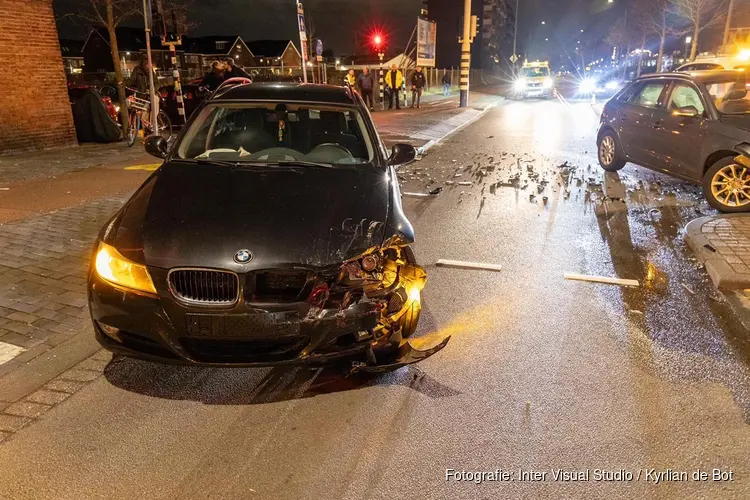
point(548, 83)
point(613, 85)
point(587, 86)
point(116, 269)
point(520, 84)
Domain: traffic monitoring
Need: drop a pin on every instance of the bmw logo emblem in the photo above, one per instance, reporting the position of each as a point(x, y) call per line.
point(243, 256)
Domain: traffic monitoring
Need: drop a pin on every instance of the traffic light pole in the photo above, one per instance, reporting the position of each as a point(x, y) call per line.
point(465, 56)
point(381, 82)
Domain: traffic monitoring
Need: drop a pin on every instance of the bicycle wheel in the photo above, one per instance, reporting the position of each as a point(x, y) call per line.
point(133, 125)
point(165, 125)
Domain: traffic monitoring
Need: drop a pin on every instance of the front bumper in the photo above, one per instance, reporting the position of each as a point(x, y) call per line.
point(158, 328)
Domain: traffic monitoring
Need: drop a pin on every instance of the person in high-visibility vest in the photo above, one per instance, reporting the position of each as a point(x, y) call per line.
point(394, 79)
point(350, 78)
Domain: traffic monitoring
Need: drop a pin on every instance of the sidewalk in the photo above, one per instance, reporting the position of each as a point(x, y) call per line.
point(722, 243)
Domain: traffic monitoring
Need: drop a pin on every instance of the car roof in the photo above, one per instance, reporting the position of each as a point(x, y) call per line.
point(304, 92)
point(705, 77)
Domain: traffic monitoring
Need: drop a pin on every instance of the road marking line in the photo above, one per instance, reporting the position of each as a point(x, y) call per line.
point(9, 351)
point(601, 279)
point(149, 168)
point(468, 265)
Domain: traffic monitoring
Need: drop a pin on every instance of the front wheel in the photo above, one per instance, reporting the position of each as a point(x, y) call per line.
point(132, 132)
point(727, 186)
point(165, 125)
point(610, 154)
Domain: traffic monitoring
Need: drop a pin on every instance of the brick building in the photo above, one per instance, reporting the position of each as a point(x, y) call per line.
point(35, 110)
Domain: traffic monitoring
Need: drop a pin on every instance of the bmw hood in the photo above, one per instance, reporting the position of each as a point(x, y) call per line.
point(203, 215)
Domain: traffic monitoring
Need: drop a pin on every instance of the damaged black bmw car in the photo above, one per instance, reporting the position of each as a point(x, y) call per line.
point(272, 234)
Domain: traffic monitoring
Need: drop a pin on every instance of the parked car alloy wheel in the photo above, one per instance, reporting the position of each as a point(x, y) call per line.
point(727, 186)
point(610, 157)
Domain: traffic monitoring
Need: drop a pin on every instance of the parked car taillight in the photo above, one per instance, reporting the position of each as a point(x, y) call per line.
point(188, 95)
point(107, 100)
point(164, 94)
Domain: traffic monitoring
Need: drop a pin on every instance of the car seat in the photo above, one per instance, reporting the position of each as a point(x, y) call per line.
point(734, 102)
point(333, 129)
point(247, 132)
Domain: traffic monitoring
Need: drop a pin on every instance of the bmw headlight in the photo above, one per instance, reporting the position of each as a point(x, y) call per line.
point(113, 267)
point(548, 83)
point(587, 86)
point(520, 84)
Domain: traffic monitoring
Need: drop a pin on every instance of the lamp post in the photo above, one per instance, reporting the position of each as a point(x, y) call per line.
point(151, 89)
point(302, 39)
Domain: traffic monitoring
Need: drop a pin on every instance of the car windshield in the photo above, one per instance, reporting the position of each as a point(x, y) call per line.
point(730, 97)
point(278, 132)
point(534, 72)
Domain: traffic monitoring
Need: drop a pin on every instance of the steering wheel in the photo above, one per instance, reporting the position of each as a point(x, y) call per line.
point(258, 155)
point(333, 145)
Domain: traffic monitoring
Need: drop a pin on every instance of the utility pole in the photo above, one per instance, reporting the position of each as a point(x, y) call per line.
point(470, 23)
point(515, 32)
point(302, 39)
point(152, 91)
point(728, 25)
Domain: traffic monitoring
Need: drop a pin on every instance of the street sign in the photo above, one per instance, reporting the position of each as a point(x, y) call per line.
point(301, 23)
point(320, 58)
point(319, 47)
point(426, 41)
point(513, 58)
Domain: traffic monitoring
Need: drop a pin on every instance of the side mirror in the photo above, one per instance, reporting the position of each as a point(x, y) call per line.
point(401, 154)
point(687, 112)
point(156, 145)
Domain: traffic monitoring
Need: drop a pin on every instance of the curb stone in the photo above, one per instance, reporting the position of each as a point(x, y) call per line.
point(723, 276)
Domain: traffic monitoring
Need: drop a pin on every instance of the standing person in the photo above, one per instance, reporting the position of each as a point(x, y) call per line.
point(215, 77)
point(365, 84)
point(139, 76)
point(394, 79)
point(417, 86)
point(233, 71)
point(446, 83)
point(350, 78)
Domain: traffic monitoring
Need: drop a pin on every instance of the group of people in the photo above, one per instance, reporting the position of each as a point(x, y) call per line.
point(394, 84)
point(222, 71)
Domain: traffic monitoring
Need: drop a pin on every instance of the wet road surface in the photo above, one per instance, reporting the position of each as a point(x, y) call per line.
point(541, 373)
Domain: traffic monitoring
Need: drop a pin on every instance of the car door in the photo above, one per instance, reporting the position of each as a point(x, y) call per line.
point(635, 119)
point(678, 139)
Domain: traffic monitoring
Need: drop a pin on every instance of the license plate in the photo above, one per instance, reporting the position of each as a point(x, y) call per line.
point(259, 325)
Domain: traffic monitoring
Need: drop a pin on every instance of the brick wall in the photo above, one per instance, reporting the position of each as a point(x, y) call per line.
point(34, 106)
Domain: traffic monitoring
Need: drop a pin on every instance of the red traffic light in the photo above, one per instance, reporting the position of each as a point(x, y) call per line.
point(377, 40)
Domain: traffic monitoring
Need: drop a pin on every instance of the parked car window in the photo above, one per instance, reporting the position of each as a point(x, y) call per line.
point(684, 95)
point(648, 96)
point(278, 132)
point(730, 96)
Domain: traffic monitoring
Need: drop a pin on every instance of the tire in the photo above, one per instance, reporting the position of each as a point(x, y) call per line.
point(609, 152)
point(131, 134)
point(726, 174)
point(410, 319)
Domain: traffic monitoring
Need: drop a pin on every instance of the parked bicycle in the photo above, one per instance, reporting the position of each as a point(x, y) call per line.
point(139, 118)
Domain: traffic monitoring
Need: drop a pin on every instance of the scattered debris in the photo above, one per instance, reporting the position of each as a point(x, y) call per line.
point(636, 311)
point(436, 191)
point(709, 248)
point(468, 265)
point(4, 189)
point(465, 183)
point(602, 279)
point(690, 290)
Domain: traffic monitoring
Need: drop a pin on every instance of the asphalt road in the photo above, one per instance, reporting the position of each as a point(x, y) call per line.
point(541, 373)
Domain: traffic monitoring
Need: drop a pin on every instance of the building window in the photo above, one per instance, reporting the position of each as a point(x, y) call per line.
point(221, 45)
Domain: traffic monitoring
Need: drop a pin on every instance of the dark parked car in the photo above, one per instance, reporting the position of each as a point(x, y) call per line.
point(272, 234)
point(690, 126)
point(192, 97)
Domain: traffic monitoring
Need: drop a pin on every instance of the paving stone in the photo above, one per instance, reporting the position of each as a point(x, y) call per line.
point(69, 386)
point(27, 409)
point(4, 435)
point(22, 317)
point(11, 423)
point(80, 375)
point(47, 397)
point(20, 340)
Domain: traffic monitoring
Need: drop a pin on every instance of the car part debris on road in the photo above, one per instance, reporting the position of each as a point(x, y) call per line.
point(469, 265)
point(602, 279)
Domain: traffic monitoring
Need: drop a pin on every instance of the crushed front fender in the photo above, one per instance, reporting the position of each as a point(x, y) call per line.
point(406, 355)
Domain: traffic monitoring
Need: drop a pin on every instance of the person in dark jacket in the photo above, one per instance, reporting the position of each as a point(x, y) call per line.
point(139, 77)
point(215, 77)
point(446, 83)
point(417, 86)
point(233, 71)
point(365, 84)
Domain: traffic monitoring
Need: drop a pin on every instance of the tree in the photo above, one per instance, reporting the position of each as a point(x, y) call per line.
point(621, 35)
point(699, 14)
point(109, 14)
